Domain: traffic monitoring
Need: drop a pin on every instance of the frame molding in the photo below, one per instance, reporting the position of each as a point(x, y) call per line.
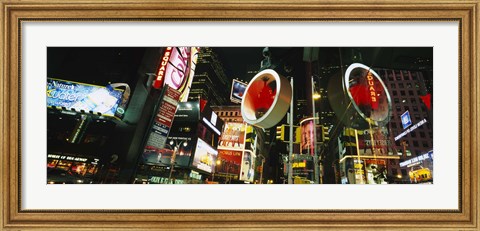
point(14, 12)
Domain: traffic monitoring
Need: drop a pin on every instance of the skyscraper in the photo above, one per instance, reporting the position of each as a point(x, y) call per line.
point(210, 81)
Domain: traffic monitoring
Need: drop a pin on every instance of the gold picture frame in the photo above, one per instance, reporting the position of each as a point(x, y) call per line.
point(14, 12)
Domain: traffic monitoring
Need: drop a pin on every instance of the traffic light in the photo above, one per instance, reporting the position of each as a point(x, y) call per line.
point(283, 133)
point(280, 134)
point(325, 135)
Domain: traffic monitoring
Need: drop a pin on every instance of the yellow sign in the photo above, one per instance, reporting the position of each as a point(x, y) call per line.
point(358, 166)
point(299, 165)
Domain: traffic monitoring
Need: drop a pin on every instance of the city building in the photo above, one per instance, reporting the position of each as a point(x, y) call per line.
point(210, 81)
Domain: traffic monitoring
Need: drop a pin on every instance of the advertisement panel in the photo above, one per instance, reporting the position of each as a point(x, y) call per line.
point(176, 69)
point(187, 111)
point(211, 119)
point(233, 136)
point(380, 144)
point(163, 156)
point(247, 171)
point(238, 89)
point(307, 134)
point(163, 119)
point(204, 157)
point(80, 96)
point(230, 162)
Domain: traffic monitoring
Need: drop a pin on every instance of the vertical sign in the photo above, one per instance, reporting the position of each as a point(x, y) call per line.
point(176, 69)
point(163, 119)
point(162, 68)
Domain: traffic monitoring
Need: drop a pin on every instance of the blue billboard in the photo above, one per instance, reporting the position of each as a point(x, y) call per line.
point(80, 96)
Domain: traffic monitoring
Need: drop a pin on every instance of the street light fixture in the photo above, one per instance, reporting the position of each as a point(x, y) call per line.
point(218, 163)
point(173, 145)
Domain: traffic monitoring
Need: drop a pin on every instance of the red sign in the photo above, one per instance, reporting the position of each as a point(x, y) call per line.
point(229, 161)
point(162, 68)
point(371, 89)
point(168, 107)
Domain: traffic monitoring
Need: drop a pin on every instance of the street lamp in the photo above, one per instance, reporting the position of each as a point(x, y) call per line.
point(175, 148)
point(218, 163)
point(316, 170)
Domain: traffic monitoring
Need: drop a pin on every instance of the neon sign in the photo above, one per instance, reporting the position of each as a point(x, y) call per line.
point(162, 68)
point(371, 88)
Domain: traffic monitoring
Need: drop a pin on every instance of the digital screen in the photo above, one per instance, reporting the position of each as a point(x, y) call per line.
point(79, 96)
point(205, 157)
point(233, 136)
point(238, 89)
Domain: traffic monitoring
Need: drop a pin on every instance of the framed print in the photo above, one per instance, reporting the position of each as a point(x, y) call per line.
point(309, 115)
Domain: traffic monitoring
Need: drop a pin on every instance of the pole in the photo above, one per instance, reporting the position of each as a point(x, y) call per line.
point(172, 163)
point(358, 156)
point(290, 151)
point(315, 157)
point(261, 170)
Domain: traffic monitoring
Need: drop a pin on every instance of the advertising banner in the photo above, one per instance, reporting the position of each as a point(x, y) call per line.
point(80, 96)
point(204, 157)
point(163, 156)
point(307, 140)
point(211, 119)
point(230, 162)
point(238, 89)
point(163, 119)
point(176, 69)
point(380, 142)
point(248, 167)
point(188, 111)
point(233, 136)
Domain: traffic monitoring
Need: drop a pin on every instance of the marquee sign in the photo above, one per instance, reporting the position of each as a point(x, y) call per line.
point(266, 99)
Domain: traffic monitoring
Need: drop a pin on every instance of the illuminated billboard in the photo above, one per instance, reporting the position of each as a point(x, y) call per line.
point(204, 157)
point(237, 92)
point(80, 96)
point(163, 156)
point(380, 144)
point(233, 136)
point(307, 134)
point(176, 69)
point(230, 162)
point(360, 98)
point(247, 171)
point(266, 99)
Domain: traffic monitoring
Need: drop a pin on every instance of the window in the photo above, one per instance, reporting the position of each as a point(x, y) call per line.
point(404, 172)
point(394, 171)
point(402, 92)
point(409, 85)
point(400, 85)
point(414, 134)
point(394, 125)
point(415, 108)
point(425, 144)
point(398, 108)
point(413, 100)
point(410, 92)
point(417, 117)
point(422, 134)
point(415, 143)
point(396, 100)
point(394, 93)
